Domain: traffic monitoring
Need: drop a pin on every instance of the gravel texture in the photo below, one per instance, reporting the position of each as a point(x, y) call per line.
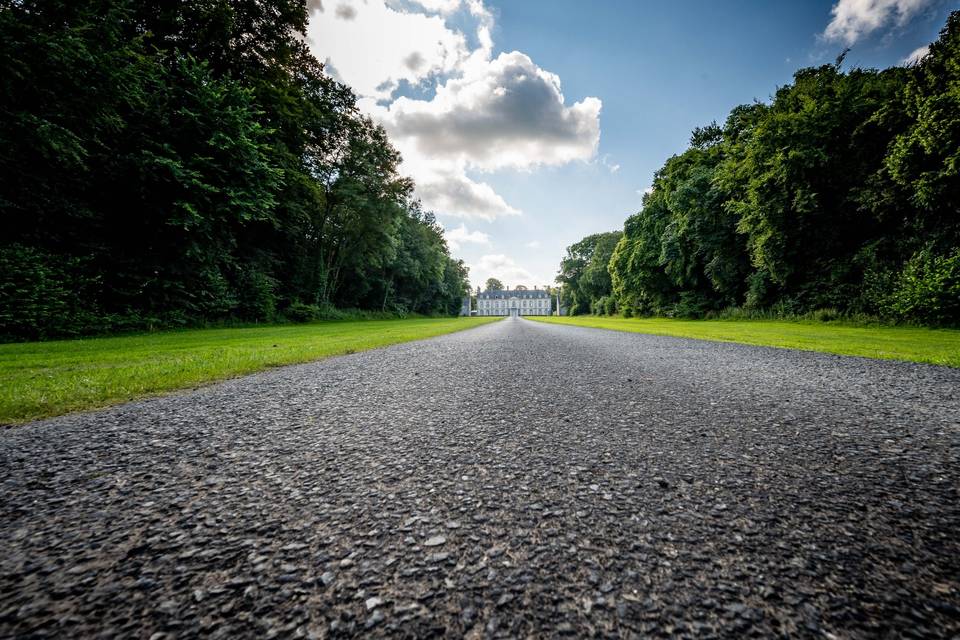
point(512, 480)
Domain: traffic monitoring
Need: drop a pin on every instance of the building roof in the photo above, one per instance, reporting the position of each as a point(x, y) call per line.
point(521, 294)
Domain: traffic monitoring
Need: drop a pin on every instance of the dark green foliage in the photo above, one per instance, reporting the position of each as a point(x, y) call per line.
point(604, 306)
point(494, 285)
point(928, 288)
point(583, 272)
point(299, 312)
point(826, 315)
point(180, 162)
point(40, 293)
point(924, 160)
point(419, 276)
point(840, 197)
point(256, 299)
point(609, 305)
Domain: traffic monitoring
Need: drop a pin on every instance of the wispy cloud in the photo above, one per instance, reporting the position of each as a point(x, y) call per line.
point(608, 162)
point(852, 20)
point(916, 55)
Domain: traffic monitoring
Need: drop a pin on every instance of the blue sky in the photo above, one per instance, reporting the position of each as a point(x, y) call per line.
point(471, 92)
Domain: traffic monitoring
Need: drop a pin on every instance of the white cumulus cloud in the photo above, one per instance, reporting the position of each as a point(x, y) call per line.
point(854, 19)
point(456, 195)
point(478, 114)
point(345, 12)
point(372, 46)
point(510, 114)
point(438, 6)
point(460, 236)
point(503, 268)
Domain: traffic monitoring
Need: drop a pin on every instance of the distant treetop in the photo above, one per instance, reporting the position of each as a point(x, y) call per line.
point(494, 285)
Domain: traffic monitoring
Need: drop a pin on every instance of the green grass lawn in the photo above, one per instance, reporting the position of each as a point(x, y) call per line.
point(41, 379)
point(934, 346)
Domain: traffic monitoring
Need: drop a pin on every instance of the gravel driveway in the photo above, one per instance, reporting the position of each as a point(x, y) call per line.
point(512, 480)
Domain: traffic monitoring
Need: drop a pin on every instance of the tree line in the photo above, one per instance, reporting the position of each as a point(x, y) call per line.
point(170, 163)
point(841, 196)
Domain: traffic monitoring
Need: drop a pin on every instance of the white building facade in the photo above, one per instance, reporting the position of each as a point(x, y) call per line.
point(514, 302)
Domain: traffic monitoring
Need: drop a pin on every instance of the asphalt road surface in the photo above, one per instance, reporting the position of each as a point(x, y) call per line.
point(514, 480)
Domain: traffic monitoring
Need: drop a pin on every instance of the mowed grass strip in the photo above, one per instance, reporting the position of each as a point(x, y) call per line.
point(912, 344)
point(43, 379)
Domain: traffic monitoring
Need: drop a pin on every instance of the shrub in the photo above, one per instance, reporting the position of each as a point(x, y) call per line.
point(609, 305)
point(758, 290)
point(826, 315)
point(928, 289)
point(692, 305)
point(216, 298)
point(44, 295)
point(746, 313)
point(299, 312)
point(256, 299)
point(879, 283)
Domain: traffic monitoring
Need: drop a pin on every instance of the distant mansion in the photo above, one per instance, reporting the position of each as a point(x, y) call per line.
point(514, 302)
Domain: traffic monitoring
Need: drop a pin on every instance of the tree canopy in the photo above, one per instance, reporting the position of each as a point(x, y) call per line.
point(842, 193)
point(583, 272)
point(494, 285)
point(180, 162)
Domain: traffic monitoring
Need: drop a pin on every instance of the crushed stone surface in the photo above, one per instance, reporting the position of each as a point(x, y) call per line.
point(517, 479)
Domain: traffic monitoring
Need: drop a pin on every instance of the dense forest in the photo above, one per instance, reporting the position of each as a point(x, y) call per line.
point(173, 163)
point(839, 197)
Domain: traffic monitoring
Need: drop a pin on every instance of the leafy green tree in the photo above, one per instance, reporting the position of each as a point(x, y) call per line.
point(925, 158)
point(684, 241)
point(194, 164)
point(583, 271)
point(840, 193)
point(176, 162)
point(493, 284)
point(928, 288)
point(638, 280)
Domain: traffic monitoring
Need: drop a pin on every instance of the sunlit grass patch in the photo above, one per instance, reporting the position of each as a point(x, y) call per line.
point(42, 379)
point(914, 344)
